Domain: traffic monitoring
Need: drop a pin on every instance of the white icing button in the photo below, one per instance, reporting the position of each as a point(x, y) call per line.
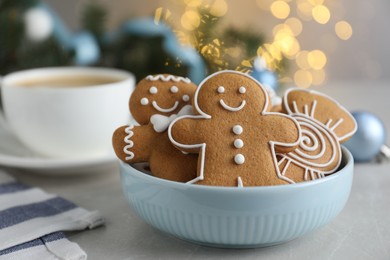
point(238, 143)
point(237, 129)
point(153, 90)
point(242, 90)
point(239, 159)
point(144, 101)
point(186, 98)
point(221, 89)
point(174, 89)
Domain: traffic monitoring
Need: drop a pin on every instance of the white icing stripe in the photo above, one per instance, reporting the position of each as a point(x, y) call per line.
point(311, 136)
point(306, 174)
point(239, 182)
point(314, 133)
point(232, 109)
point(312, 174)
point(309, 142)
point(337, 124)
point(274, 157)
point(313, 108)
point(168, 78)
point(305, 161)
point(129, 143)
point(281, 160)
point(328, 122)
point(301, 155)
point(165, 110)
point(306, 109)
point(294, 109)
point(286, 167)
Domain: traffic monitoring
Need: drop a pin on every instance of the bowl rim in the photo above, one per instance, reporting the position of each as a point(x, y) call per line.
point(347, 161)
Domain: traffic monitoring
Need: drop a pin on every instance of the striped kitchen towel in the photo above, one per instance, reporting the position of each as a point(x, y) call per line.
point(31, 221)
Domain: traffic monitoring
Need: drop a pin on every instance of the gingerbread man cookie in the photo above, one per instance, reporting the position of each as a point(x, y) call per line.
point(233, 132)
point(325, 124)
point(160, 94)
point(156, 101)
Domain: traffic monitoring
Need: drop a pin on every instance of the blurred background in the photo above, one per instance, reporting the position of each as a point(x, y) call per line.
point(303, 42)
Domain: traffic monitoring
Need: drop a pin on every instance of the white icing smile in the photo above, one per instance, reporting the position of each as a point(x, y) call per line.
point(232, 109)
point(165, 110)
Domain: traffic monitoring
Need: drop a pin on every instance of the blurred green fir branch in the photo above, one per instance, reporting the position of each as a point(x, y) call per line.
point(221, 47)
point(16, 50)
point(94, 18)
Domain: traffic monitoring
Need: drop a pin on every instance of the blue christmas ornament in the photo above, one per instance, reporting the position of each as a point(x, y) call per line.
point(369, 137)
point(266, 77)
point(85, 48)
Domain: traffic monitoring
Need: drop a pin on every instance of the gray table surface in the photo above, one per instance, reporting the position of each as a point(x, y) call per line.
point(361, 231)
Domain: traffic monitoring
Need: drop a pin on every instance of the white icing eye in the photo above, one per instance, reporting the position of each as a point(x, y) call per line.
point(153, 90)
point(174, 89)
point(144, 101)
point(221, 89)
point(186, 98)
point(242, 90)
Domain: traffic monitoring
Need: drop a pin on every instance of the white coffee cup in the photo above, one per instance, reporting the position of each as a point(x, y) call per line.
point(67, 111)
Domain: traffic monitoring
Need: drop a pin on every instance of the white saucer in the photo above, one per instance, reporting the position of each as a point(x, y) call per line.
point(14, 154)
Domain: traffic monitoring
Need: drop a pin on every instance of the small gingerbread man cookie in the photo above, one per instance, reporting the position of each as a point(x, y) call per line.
point(233, 132)
point(325, 124)
point(161, 94)
point(156, 101)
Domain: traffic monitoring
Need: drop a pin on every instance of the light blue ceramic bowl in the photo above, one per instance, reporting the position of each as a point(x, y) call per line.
point(234, 217)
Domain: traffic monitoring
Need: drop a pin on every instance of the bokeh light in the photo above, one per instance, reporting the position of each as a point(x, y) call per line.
point(190, 20)
point(218, 8)
point(303, 78)
point(291, 18)
point(295, 25)
point(321, 14)
point(302, 61)
point(193, 3)
point(318, 77)
point(317, 59)
point(304, 10)
point(280, 9)
point(343, 30)
point(316, 2)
